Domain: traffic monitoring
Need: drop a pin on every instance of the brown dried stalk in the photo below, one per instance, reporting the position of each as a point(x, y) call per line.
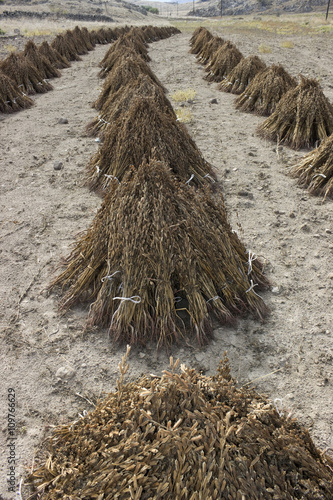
point(239, 78)
point(11, 97)
point(123, 72)
point(44, 66)
point(265, 91)
point(153, 240)
point(315, 170)
point(146, 129)
point(55, 58)
point(223, 62)
point(302, 118)
point(118, 104)
point(24, 74)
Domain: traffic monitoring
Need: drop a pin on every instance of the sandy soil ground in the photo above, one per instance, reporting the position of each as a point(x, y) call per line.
point(55, 369)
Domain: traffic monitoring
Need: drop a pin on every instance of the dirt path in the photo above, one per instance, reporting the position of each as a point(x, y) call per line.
point(47, 359)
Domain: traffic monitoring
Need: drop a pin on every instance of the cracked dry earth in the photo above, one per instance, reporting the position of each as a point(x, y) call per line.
point(55, 368)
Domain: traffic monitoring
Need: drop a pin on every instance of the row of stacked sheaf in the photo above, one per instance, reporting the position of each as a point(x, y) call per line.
point(299, 114)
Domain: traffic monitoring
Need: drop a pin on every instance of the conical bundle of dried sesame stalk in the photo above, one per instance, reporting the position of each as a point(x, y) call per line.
point(302, 118)
point(315, 170)
point(117, 105)
point(124, 46)
point(209, 49)
point(124, 71)
point(11, 97)
point(265, 91)
point(146, 129)
point(183, 436)
point(239, 78)
point(25, 74)
point(44, 66)
point(155, 241)
point(55, 58)
point(223, 62)
point(199, 38)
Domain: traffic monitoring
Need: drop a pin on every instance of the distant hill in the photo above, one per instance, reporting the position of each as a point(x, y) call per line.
point(211, 8)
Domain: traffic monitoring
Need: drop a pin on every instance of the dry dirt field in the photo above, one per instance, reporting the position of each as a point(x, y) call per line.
point(54, 368)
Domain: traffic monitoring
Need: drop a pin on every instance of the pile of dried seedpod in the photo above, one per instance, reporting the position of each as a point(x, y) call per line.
point(182, 436)
point(160, 260)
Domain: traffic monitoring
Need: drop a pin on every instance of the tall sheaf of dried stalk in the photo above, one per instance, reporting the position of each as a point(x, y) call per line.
point(239, 78)
point(44, 66)
point(209, 49)
point(11, 97)
point(117, 105)
point(124, 71)
point(24, 74)
point(315, 170)
point(265, 91)
point(55, 58)
point(223, 62)
point(302, 118)
point(146, 130)
point(154, 240)
point(199, 40)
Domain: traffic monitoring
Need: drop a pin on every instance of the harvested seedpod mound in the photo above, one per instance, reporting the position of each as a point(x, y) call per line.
point(123, 72)
point(11, 97)
point(302, 118)
point(144, 130)
point(209, 49)
point(65, 47)
point(242, 74)
point(24, 74)
point(55, 58)
point(44, 66)
point(315, 170)
point(199, 39)
point(223, 62)
point(119, 103)
point(183, 436)
point(265, 91)
point(155, 242)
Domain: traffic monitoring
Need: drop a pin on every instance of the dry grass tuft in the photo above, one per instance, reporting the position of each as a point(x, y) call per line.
point(123, 72)
point(302, 118)
point(223, 62)
point(145, 129)
point(24, 74)
point(242, 74)
point(11, 97)
point(265, 91)
point(264, 49)
point(315, 170)
point(153, 241)
point(183, 95)
point(44, 66)
point(184, 115)
point(287, 44)
point(182, 436)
